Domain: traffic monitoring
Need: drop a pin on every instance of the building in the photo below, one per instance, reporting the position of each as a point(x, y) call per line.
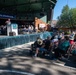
point(28, 11)
point(53, 23)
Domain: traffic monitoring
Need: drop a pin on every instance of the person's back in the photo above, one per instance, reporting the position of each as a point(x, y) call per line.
point(62, 48)
point(38, 42)
point(64, 45)
point(47, 42)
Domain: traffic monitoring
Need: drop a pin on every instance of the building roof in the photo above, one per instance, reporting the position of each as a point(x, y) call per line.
point(25, 6)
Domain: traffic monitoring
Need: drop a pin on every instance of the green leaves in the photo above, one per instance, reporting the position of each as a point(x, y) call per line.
point(67, 17)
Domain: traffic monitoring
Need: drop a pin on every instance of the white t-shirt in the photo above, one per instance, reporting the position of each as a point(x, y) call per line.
point(54, 40)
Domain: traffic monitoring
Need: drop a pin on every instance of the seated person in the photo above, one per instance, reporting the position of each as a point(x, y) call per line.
point(62, 47)
point(39, 46)
point(73, 46)
point(72, 38)
point(42, 49)
point(47, 43)
point(60, 36)
point(55, 42)
point(38, 42)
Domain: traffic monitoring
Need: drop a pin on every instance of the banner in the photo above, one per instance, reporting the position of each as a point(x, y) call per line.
point(6, 16)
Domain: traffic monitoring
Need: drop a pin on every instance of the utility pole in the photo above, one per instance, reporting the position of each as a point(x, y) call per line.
point(67, 2)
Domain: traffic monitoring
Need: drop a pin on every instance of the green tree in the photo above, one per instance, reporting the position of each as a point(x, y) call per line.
point(65, 9)
point(67, 17)
point(73, 16)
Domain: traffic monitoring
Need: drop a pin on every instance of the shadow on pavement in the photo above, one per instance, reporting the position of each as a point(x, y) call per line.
point(18, 59)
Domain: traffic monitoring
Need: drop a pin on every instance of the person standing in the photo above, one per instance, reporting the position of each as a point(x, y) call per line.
point(8, 23)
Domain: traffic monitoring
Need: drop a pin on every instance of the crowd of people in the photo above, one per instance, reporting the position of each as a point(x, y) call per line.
point(59, 44)
point(28, 28)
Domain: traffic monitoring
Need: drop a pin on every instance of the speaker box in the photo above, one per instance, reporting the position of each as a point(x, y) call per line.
point(12, 33)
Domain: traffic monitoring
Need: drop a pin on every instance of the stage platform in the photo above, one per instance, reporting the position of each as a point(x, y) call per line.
point(3, 36)
point(9, 41)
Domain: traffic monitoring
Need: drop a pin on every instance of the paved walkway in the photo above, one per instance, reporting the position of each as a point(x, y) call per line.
point(17, 61)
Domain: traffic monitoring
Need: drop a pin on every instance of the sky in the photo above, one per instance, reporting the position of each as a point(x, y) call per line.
point(59, 6)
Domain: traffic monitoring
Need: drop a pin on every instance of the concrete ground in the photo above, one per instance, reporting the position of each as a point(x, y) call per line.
point(17, 61)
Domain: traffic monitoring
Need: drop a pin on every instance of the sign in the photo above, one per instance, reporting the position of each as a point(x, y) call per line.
point(6, 16)
point(41, 25)
point(14, 26)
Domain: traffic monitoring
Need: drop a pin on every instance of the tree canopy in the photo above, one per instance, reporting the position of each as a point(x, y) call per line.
point(67, 17)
